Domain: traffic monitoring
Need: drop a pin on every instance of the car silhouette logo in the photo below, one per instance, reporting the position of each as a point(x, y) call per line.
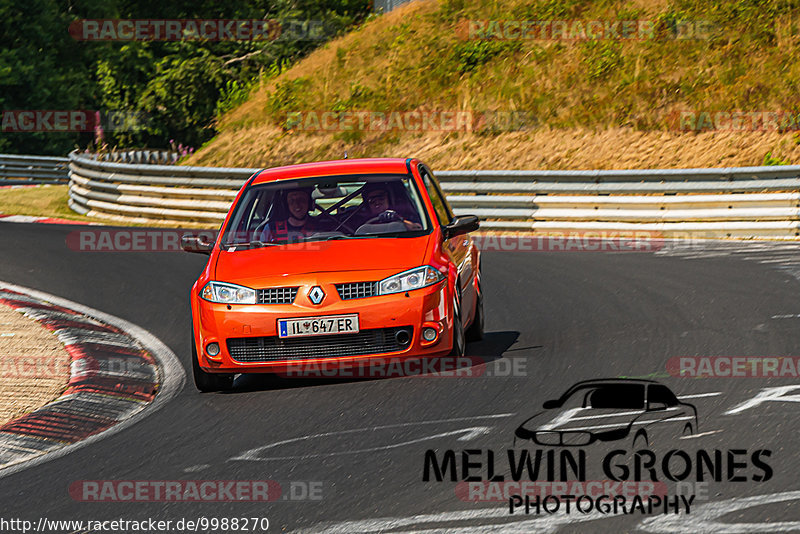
point(316, 295)
point(611, 410)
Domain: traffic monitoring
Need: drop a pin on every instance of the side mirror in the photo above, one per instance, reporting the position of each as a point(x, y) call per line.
point(549, 405)
point(461, 225)
point(196, 243)
point(656, 406)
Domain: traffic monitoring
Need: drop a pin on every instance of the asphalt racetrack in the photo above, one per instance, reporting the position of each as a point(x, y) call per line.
point(359, 445)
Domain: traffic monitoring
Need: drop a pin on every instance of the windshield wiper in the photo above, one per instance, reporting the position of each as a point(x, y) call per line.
point(251, 244)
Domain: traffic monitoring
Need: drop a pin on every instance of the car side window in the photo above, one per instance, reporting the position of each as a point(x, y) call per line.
point(438, 200)
point(661, 394)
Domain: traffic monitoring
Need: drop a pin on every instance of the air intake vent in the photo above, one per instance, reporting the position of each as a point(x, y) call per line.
point(357, 290)
point(277, 295)
point(273, 348)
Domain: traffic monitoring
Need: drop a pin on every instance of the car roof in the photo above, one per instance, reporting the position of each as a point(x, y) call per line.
point(333, 168)
point(608, 381)
point(600, 381)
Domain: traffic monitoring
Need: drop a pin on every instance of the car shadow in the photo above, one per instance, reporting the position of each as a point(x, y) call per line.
point(479, 353)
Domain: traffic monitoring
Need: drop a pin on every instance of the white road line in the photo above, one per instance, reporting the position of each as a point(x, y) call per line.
point(603, 416)
point(569, 415)
point(710, 432)
point(433, 422)
point(700, 395)
point(517, 524)
point(775, 394)
point(788, 316)
point(252, 454)
point(687, 418)
point(196, 468)
point(561, 419)
point(705, 518)
point(778, 260)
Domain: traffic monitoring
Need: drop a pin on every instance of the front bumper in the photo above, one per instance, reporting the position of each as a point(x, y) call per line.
point(415, 310)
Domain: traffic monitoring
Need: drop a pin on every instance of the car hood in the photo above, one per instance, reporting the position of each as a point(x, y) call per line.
point(370, 254)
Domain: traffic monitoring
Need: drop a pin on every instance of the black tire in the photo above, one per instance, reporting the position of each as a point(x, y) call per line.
point(459, 339)
point(475, 330)
point(207, 382)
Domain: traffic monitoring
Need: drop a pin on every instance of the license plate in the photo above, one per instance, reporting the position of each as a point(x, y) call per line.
point(318, 326)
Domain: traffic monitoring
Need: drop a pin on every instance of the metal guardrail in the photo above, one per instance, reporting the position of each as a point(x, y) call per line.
point(735, 202)
point(20, 169)
point(33, 170)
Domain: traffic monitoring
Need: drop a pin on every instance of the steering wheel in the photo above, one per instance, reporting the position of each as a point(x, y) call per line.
point(385, 218)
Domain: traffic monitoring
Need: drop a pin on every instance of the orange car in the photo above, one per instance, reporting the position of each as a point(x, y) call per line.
point(337, 262)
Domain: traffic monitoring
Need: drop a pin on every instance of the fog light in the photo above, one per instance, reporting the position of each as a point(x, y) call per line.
point(212, 349)
point(429, 334)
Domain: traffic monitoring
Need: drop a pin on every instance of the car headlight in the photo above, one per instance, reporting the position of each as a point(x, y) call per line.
point(416, 278)
point(228, 293)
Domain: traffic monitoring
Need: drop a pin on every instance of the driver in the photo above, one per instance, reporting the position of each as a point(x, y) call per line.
point(376, 205)
point(298, 224)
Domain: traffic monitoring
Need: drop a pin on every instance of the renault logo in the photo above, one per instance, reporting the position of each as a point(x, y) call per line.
point(316, 295)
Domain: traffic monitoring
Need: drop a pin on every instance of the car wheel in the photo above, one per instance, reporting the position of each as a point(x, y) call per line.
point(475, 330)
point(459, 341)
point(207, 382)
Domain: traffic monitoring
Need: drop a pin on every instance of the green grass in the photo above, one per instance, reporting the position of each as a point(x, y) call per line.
point(51, 201)
point(39, 201)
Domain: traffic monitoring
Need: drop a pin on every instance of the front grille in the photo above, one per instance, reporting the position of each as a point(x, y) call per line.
point(276, 295)
point(273, 348)
point(357, 290)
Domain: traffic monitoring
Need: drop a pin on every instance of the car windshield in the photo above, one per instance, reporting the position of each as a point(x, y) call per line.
point(326, 208)
point(616, 396)
point(605, 396)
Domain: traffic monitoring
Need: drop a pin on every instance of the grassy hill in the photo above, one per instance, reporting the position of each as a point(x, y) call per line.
point(607, 103)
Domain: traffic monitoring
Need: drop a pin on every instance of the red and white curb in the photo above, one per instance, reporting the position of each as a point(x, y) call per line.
point(119, 374)
point(45, 220)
